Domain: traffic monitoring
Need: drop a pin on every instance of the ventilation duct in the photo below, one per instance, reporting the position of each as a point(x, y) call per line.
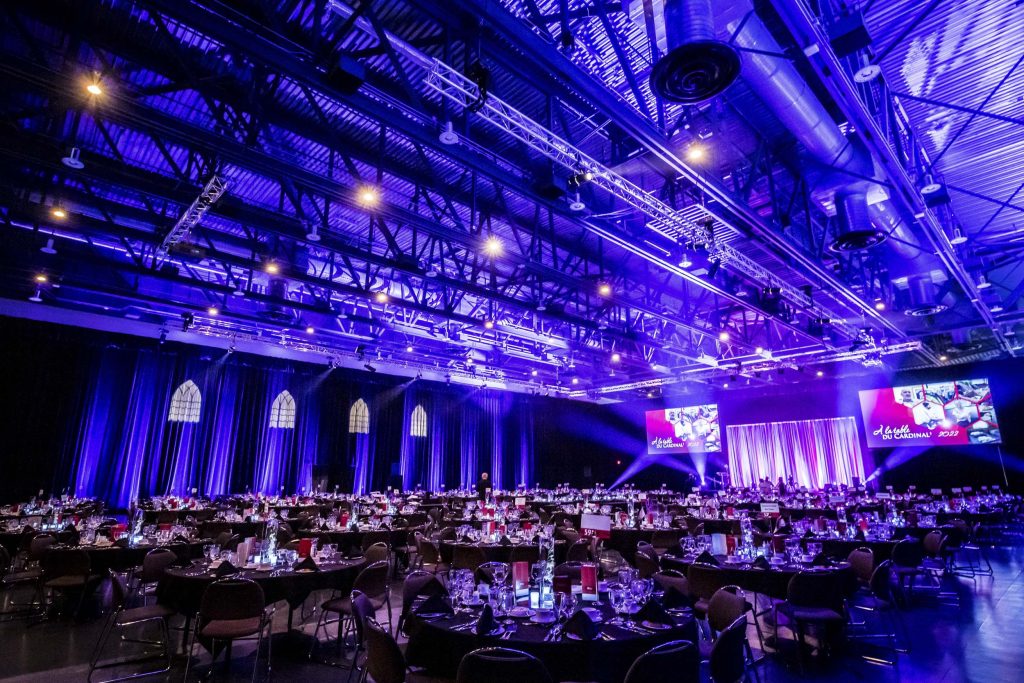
point(855, 232)
point(697, 66)
point(922, 297)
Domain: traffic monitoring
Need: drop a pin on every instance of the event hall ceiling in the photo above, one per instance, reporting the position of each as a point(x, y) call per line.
point(586, 198)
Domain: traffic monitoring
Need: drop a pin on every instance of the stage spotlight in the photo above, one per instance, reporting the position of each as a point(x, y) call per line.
point(943, 358)
point(310, 330)
point(533, 373)
point(714, 265)
point(604, 289)
point(408, 349)
point(41, 278)
point(381, 297)
point(725, 385)
point(820, 373)
point(493, 246)
point(187, 321)
point(759, 350)
point(616, 357)
point(369, 195)
point(575, 380)
point(695, 152)
point(58, 213)
point(723, 336)
point(94, 88)
point(489, 324)
point(213, 311)
point(271, 267)
point(879, 305)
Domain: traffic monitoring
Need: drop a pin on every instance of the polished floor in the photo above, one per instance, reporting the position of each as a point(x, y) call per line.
point(979, 640)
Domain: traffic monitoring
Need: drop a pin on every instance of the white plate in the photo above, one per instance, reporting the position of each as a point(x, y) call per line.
point(543, 618)
point(521, 612)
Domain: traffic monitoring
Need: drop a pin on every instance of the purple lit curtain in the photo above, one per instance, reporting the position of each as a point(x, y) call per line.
point(813, 452)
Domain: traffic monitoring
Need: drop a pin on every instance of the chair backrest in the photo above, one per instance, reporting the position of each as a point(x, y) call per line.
point(232, 542)
point(449, 533)
point(907, 553)
point(232, 598)
point(880, 585)
point(579, 551)
point(670, 662)
point(362, 610)
point(118, 591)
point(704, 580)
point(427, 549)
point(384, 659)
point(670, 578)
point(932, 543)
point(569, 535)
point(862, 560)
point(727, 661)
point(155, 562)
point(372, 580)
point(645, 565)
point(726, 606)
point(420, 583)
point(501, 665)
point(573, 570)
point(816, 589)
point(38, 546)
point(378, 552)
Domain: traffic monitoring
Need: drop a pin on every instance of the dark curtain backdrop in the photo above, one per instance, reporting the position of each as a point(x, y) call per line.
point(88, 412)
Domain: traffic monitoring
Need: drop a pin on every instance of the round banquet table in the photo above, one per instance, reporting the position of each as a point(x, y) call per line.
point(494, 552)
point(773, 582)
point(119, 558)
point(182, 588)
point(435, 646)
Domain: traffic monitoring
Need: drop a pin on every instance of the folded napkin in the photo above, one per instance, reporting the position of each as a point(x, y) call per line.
point(324, 527)
point(761, 562)
point(306, 563)
point(655, 613)
point(808, 534)
point(582, 626)
point(707, 558)
point(424, 586)
point(486, 623)
point(225, 568)
point(179, 539)
point(504, 541)
point(674, 599)
point(821, 561)
point(465, 539)
point(435, 604)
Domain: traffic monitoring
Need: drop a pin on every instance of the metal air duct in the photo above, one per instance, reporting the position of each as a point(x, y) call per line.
point(697, 66)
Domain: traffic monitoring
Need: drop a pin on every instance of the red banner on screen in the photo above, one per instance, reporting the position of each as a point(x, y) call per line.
point(693, 429)
point(936, 414)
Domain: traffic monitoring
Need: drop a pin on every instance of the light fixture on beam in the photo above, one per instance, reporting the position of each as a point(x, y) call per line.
point(448, 136)
point(313, 234)
point(73, 159)
point(48, 248)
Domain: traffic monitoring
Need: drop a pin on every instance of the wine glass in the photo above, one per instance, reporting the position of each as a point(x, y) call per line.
point(617, 599)
point(500, 573)
point(570, 601)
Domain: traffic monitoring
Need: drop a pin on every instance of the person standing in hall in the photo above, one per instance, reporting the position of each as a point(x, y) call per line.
point(482, 485)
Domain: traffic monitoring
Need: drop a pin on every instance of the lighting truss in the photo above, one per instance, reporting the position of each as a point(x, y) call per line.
point(667, 221)
point(868, 358)
point(213, 191)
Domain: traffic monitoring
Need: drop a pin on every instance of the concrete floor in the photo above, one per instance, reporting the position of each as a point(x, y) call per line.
point(982, 640)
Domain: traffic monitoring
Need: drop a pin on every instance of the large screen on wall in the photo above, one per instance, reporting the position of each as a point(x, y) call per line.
point(693, 429)
point(937, 414)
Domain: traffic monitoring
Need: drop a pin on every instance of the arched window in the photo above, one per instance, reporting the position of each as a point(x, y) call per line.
point(185, 403)
point(359, 418)
point(419, 422)
point(282, 413)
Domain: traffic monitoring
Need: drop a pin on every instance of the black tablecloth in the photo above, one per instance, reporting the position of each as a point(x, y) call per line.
point(214, 527)
point(434, 646)
point(350, 540)
point(494, 552)
point(183, 589)
point(772, 582)
point(625, 540)
point(118, 558)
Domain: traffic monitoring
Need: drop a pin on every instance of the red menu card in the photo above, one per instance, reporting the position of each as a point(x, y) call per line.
point(521, 577)
point(588, 579)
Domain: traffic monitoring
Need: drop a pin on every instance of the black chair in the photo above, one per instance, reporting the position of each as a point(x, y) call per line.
point(417, 584)
point(666, 663)
point(881, 601)
point(907, 564)
point(646, 563)
point(372, 582)
point(578, 551)
point(728, 663)
point(573, 570)
point(814, 599)
point(231, 609)
point(501, 665)
point(122, 618)
point(385, 662)
point(66, 572)
point(152, 570)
